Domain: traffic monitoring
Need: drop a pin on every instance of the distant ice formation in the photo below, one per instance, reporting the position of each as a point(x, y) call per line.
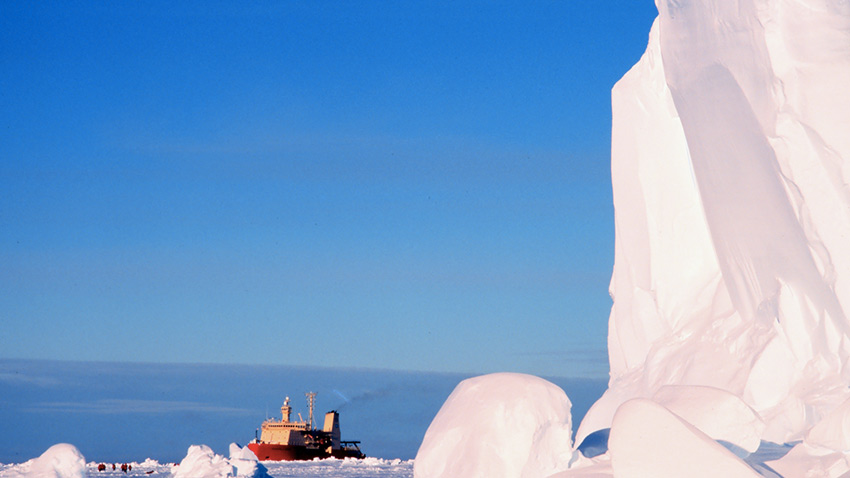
point(59, 461)
point(245, 463)
point(731, 282)
point(202, 462)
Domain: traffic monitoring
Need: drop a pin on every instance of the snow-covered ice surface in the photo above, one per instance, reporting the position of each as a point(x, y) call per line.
point(329, 468)
point(729, 335)
point(333, 468)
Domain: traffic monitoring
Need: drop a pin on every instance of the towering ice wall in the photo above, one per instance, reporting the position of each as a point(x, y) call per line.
point(731, 179)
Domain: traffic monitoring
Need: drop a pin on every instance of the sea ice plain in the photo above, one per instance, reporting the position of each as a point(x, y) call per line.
point(65, 461)
point(728, 336)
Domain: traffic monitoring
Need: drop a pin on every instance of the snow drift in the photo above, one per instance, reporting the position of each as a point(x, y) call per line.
point(202, 462)
point(245, 462)
point(499, 425)
point(649, 441)
point(59, 461)
point(731, 281)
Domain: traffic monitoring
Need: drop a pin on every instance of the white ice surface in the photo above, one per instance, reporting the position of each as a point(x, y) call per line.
point(649, 441)
point(328, 468)
point(499, 425)
point(805, 461)
point(833, 432)
point(717, 413)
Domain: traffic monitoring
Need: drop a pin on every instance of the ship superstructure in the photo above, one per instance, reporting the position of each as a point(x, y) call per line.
point(285, 439)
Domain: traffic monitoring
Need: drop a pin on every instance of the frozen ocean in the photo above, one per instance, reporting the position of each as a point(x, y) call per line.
point(331, 468)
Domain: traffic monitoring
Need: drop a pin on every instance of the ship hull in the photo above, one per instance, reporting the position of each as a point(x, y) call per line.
point(274, 452)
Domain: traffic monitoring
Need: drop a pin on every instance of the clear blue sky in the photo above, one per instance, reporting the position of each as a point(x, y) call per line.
point(403, 185)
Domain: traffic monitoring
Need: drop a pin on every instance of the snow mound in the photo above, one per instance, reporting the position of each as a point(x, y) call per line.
point(499, 425)
point(59, 461)
point(245, 462)
point(202, 462)
point(647, 440)
point(149, 463)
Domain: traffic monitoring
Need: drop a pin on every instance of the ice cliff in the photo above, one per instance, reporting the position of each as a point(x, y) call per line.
point(730, 170)
point(731, 282)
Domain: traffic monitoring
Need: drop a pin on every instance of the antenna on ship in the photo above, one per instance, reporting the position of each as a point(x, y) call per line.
point(311, 402)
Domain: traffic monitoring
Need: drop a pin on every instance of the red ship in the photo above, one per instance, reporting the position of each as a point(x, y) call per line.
point(285, 440)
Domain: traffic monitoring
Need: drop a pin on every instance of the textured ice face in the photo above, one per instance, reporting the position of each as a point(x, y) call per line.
point(730, 167)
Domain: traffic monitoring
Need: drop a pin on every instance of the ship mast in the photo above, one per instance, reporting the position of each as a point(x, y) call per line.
point(311, 402)
point(285, 410)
